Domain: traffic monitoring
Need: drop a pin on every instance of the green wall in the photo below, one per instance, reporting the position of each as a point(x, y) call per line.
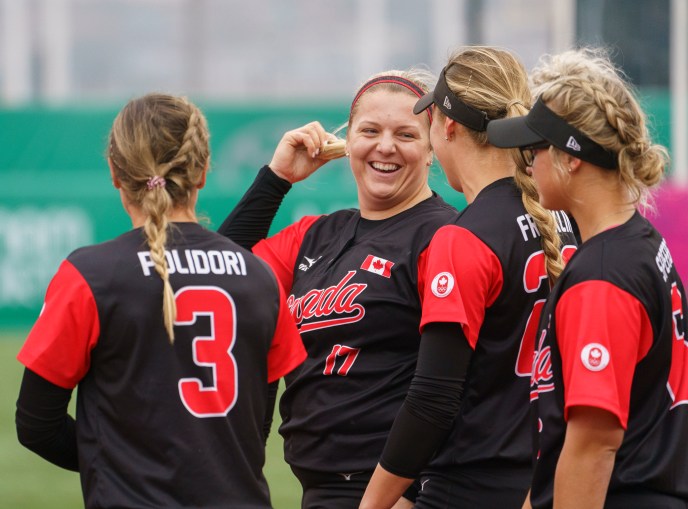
point(57, 193)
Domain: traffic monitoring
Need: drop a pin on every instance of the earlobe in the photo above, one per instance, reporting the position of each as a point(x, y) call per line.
point(573, 163)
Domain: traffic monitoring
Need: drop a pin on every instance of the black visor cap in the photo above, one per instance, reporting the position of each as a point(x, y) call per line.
point(452, 106)
point(542, 124)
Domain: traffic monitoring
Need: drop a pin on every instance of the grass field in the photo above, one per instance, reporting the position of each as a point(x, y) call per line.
point(29, 482)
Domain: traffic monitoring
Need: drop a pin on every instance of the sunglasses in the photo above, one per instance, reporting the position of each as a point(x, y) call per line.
point(528, 153)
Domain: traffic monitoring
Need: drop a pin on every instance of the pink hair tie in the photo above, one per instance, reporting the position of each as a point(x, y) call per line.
point(154, 182)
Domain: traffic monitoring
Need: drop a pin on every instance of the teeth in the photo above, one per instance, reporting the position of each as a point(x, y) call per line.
point(385, 166)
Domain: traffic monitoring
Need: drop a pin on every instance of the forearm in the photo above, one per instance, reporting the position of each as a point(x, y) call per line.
point(270, 409)
point(526, 504)
point(432, 402)
point(43, 424)
point(251, 218)
point(581, 480)
point(384, 489)
point(426, 417)
point(585, 465)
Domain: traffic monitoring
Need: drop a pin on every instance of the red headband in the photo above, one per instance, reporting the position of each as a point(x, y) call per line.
point(391, 79)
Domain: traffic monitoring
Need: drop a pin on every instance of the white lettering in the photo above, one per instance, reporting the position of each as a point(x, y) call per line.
point(520, 220)
point(527, 224)
point(664, 260)
point(175, 263)
point(234, 262)
point(199, 262)
point(217, 265)
point(146, 262)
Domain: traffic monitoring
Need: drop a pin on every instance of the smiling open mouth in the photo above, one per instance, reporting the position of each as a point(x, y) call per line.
point(385, 167)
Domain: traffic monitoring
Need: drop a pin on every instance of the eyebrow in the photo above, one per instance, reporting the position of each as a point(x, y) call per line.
point(405, 126)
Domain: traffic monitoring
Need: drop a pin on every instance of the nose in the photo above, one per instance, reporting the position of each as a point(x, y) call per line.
point(386, 144)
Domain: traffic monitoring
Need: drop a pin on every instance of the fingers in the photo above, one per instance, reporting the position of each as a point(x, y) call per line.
point(302, 151)
point(312, 137)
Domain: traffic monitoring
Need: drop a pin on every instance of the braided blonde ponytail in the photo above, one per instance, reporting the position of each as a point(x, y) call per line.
point(159, 150)
point(546, 224)
point(156, 204)
point(494, 80)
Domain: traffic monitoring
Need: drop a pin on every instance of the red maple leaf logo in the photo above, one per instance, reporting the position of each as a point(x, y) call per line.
point(443, 281)
point(378, 265)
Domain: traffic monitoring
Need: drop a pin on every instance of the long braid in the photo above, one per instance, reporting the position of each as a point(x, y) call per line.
point(549, 237)
point(494, 81)
point(159, 151)
point(156, 205)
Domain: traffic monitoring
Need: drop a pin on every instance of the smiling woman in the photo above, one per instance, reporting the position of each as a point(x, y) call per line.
point(390, 153)
point(346, 273)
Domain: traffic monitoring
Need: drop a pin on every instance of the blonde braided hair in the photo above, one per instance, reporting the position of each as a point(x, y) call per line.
point(590, 93)
point(159, 150)
point(495, 81)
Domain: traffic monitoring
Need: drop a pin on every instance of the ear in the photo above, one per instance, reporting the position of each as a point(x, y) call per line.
point(449, 128)
point(115, 180)
point(431, 157)
point(204, 175)
point(572, 163)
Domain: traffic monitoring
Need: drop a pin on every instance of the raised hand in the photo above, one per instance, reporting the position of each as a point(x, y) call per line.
point(298, 154)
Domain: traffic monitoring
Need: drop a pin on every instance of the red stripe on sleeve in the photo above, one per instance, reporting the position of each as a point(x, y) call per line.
point(280, 250)
point(287, 350)
point(602, 333)
point(59, 345)
point(461, 277)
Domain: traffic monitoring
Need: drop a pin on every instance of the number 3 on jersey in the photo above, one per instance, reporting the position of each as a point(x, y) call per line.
point(534, 275)
point(214, 351)
point(678, 376)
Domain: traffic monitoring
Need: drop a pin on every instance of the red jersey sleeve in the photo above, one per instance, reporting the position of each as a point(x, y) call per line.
point(461, 277)
point(280, 250)
point(287, 350)
point(602, 333)
point(59, 345)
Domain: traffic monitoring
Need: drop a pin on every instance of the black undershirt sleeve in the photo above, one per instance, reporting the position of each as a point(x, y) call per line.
point(270, 410)
point(250, 220)
point(43, 424)
point(433, 400)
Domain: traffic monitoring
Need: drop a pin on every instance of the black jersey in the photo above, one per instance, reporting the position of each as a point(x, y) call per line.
point(356, 302)
point(487, 272)
point(161, 425)
point(612, 337)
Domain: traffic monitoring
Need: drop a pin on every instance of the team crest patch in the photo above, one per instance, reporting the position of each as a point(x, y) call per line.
point(595, 357)
point(378, 265)
point(442, 284)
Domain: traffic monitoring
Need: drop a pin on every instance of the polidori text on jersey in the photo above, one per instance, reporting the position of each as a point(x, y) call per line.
point(197, 261)
point(528, 226)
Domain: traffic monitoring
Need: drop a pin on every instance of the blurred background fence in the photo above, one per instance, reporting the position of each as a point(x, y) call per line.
point(257, 69)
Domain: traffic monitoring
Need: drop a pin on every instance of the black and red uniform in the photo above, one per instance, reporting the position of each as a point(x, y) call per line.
point(161, 425)
point(486, 272)
point(354, 294)
point(613, 337)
